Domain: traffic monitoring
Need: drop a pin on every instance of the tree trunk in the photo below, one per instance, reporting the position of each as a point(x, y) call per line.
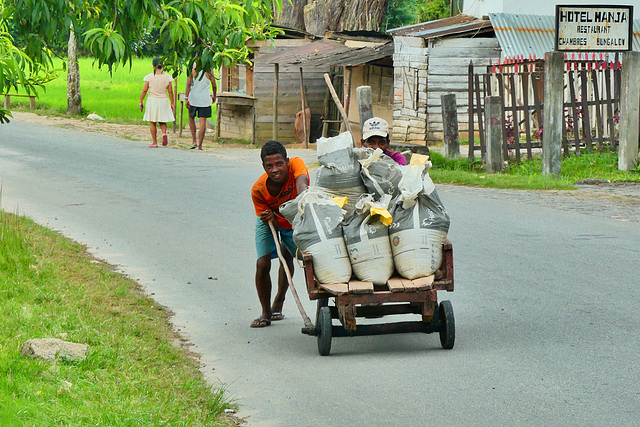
point(321, 16)
point(363, 15)
point(74, 100)
point(292, 14)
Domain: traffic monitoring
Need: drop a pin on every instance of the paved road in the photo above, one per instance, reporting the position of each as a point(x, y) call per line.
point(547, 302)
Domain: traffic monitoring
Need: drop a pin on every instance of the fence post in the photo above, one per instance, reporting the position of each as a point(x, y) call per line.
point(494, 118)
point(450, 125)
point(365, 103)
point(553, 117)
point(629, 110)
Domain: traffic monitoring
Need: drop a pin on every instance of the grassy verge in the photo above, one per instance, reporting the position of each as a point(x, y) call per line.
point(134, 374)
point(528, 175)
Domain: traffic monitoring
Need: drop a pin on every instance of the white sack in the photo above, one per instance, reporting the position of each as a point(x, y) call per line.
point(317, 230)
point(420, 225)
point(380, 173)
point(339, 171)
point(367, 240)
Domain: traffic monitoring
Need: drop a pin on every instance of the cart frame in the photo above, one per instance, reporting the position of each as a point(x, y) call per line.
point(419, 298)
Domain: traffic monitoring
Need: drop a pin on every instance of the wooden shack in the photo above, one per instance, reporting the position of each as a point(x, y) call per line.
point(432, 59)
point(259, 101)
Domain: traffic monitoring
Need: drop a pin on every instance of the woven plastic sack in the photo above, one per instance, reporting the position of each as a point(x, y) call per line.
point(317, 230)
point(339, 171)
point(420, 223)
point(367, 237)
point(380, 173)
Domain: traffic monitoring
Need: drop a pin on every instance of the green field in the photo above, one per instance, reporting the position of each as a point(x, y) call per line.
point(112, 96)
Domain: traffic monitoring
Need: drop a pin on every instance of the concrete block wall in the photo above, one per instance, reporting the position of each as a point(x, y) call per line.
point(236, 122)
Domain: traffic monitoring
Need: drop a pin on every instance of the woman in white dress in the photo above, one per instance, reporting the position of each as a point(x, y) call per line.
point(159, 107)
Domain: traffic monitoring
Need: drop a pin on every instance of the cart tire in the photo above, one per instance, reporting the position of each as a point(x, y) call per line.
point(448, 325)
point(324, 337)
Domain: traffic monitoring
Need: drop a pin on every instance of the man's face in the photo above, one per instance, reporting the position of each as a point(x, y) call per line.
point(276, 167)
point(376, 142)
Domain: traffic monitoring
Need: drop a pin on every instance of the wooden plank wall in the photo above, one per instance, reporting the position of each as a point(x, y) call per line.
point(289, 101)
point(448, 73)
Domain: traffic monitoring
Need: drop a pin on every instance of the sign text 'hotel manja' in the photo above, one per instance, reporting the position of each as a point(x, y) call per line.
point(594, 28)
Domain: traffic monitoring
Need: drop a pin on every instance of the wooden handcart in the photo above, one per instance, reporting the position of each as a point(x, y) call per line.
point(399, 296)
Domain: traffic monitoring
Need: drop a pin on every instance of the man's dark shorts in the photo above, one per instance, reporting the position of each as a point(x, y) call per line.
point(200, 111)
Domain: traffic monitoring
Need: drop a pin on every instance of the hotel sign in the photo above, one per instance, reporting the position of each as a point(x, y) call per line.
point(594, 28)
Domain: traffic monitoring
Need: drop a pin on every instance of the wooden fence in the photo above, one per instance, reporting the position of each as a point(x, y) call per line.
point(591, 94)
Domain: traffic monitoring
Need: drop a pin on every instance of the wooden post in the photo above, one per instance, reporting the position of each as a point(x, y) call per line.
point(327, 79)
point(450, 125)
point(175, 100)
point(276, 78)
point(553, 117)
point(629, 109)
point(218, 118)
point(493, 117)
point(365, 107)
point(304, 112)
point(347, 92)
point(7, 102)
point(470, 96)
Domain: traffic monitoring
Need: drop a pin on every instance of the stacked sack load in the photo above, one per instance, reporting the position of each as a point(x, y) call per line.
point(380, 173)
point(420, 222)
point(366, 234)
point(317, 230)
point(339, 172)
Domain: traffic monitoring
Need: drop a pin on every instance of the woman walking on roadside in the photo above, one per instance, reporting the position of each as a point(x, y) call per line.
point(159, 108)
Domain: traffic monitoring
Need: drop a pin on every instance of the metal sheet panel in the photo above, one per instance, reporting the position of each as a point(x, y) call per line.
point(525, 35)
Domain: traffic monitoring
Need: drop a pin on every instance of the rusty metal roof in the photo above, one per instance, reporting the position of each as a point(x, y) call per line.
point(306, 52)
point(382, 54)
point(454, 25)
point(325, 53)
point(524, 35)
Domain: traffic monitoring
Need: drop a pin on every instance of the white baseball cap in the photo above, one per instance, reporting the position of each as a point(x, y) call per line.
point(375, 126)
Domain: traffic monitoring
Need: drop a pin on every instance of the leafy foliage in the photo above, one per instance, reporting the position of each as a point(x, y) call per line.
point(210, 32)
point(430, 10)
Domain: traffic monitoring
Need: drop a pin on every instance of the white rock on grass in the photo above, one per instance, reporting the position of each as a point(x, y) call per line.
point(94, 116)
point(50, 348)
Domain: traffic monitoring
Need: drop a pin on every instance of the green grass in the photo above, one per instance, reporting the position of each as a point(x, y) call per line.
point(114, 97)
point(133, 374)
point(528, 175)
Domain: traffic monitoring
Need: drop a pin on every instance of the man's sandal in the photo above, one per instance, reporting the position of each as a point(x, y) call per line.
point(277, 315)
point(260, 323)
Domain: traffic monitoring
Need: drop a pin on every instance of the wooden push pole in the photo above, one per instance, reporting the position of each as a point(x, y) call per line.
point(336, 99)
point(347, 92)
point(304, 112)
point(450, 126)
point(365, 104)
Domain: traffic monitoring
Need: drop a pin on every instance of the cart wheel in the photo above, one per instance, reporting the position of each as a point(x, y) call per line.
point(448, 328)
point(324, 337)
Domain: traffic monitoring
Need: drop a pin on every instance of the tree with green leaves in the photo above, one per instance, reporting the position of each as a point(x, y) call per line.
point(210, 32)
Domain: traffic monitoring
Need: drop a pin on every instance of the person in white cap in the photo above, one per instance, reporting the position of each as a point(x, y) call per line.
point(375, 134)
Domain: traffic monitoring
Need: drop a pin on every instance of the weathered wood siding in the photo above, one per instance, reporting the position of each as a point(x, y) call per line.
point(289, 99)
point(448, 73)
point(380, 79)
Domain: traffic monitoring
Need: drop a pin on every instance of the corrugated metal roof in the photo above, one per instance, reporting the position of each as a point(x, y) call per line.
point(454, 25)
point(524, 35)
point(324, 53)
